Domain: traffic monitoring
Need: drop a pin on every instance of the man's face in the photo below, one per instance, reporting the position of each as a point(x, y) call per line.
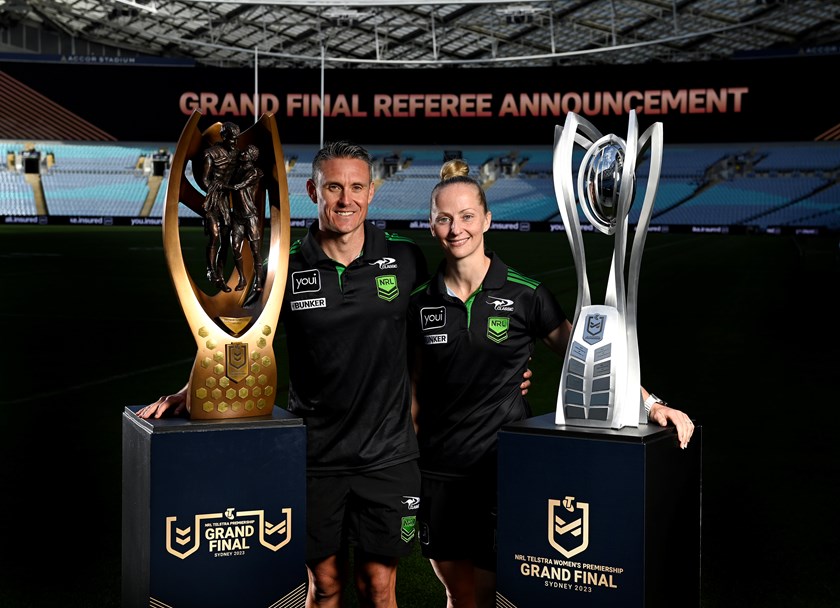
point(342, 189)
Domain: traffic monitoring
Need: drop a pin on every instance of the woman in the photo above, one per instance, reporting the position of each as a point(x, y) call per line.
point(474, 323)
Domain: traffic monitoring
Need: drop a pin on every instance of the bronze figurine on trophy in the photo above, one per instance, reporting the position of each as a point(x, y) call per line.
point(236, 176)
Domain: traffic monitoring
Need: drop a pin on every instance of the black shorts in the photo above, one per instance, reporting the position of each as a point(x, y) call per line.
point(457, 518)
point(374, 511)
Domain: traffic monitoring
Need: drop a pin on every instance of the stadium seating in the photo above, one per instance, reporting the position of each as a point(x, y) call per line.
point(750, 185)
point(16, 196)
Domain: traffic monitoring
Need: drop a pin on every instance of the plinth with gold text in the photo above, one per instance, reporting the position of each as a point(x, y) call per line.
point(598, 518)
point(213, 512)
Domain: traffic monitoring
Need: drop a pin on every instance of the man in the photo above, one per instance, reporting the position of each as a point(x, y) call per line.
point(345, 318)
point(344, 312)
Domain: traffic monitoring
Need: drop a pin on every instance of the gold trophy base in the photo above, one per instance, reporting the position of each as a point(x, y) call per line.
point(232, 378)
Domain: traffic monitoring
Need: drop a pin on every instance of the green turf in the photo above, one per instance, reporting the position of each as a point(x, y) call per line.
point(741, 332)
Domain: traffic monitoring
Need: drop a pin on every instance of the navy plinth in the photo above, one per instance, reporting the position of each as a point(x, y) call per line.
point(598, 517)
point(213, 511)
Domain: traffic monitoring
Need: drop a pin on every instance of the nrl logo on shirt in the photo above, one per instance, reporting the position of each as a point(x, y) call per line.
point(497, 329)
point(384, 263)
point(500, 303)
point(306, 281)
point(386, 287)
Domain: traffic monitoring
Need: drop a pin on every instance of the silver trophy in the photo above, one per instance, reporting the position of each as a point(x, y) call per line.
point(600, 385)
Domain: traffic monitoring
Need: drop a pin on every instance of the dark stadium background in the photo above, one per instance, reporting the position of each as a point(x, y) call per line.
point(739, 330)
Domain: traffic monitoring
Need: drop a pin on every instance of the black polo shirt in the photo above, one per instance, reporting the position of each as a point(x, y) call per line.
point(473, 355)
point(346, 333)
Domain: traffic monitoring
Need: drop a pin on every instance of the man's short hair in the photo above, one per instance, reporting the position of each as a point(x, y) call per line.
point(340, 149)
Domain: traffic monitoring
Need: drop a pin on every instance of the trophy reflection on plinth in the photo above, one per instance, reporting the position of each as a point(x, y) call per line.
point(229, 177)
point(600, 383)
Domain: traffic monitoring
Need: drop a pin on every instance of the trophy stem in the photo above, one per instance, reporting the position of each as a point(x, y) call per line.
point(626, 409)
point(652, 140)
point(564, 139)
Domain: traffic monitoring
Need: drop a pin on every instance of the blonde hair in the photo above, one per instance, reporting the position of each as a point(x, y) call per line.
point(457, 171)
point(456, 167)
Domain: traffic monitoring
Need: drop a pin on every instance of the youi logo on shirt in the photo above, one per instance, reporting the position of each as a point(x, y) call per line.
point(432, 317)
point(500, 303)
point(306, 281)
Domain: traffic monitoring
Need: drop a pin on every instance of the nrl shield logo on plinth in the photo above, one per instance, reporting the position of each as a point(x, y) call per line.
point(230, 177)
point(568, 525)
point(600, 384)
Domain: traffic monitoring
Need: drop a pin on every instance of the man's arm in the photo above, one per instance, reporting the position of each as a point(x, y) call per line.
point(177, 402)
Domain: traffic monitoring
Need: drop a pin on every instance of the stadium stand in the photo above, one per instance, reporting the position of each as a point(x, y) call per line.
point(16, 196)
point(753, 186)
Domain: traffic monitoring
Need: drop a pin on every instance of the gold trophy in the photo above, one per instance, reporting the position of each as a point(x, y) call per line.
point(233, 318)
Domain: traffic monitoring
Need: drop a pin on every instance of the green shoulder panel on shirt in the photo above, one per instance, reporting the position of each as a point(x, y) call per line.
point(396, 237)
point(295, 247)
point(517, 277)
point(421, 287)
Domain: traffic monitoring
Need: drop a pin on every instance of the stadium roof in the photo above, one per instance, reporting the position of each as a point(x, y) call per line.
point(371, 33)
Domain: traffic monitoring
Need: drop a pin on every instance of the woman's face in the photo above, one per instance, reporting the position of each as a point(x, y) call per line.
point(458, 220)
